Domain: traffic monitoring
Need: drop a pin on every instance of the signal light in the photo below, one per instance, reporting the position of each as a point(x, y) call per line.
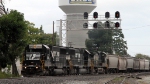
point(85, 25)
point(107, 15)
point(117, 24)
point(95, 15)
point(85, 15)
point(107, 25)
point(95, 25)
point(117, 14)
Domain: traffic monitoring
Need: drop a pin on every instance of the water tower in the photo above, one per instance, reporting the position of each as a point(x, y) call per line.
point(74, 10)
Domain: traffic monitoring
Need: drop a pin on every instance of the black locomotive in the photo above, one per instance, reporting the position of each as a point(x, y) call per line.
point(36, 60)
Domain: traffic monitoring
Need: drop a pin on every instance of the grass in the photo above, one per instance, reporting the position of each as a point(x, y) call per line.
point(118, 79)
point(4, 75)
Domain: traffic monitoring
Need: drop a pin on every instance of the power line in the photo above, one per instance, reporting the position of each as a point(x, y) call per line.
point(137, 27)
point(137, 52)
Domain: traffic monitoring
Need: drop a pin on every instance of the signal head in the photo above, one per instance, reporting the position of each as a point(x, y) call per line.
point(95, 15)
point(117, 24)
point(85, 15)
point(107, 15)
point(95, 25)
point(117, 14)
point(85, 25)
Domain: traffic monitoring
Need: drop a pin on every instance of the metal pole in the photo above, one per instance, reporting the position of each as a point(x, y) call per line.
point(60, 34)
point(53, 35)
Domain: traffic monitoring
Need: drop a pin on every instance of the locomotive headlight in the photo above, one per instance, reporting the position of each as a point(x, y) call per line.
point(25, 67)
point(36, 67)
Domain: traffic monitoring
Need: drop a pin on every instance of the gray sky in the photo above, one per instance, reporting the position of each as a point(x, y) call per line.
point(135, 15)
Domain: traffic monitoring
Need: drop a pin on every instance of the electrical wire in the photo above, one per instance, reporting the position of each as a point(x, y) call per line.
point(137, 27)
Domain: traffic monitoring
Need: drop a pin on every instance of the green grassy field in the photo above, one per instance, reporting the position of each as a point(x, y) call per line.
point(4, 75)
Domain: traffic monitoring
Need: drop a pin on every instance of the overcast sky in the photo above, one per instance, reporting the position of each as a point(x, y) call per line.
point(135, 15)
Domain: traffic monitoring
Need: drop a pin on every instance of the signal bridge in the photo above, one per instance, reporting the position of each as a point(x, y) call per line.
point(69, 24)
point(85, 23)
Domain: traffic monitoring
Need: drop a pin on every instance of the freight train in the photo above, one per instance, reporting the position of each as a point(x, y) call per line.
point(39, 59)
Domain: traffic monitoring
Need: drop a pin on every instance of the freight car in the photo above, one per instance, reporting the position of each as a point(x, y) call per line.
point(130, 62)
point(146, 65)
point(112, 63)
point(136, 65)
point(36, 60)
point(115, 64)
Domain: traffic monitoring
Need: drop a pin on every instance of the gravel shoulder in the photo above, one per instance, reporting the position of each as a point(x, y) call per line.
point(79, 79)
point(144, 80)
point(131, 80)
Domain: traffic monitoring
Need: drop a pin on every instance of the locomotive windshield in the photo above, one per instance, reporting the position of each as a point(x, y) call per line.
point(32, 56)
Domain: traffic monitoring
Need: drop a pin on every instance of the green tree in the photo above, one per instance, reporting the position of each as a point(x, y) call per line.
point(100, 40)
point(41, 30)
point(37, 35)
point(142, 56)
point(119, 45)
point(13, 31)
point(34, 33)
point(107, 40)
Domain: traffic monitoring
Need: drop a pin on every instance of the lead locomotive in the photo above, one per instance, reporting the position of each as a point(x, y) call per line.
point(36, 60)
